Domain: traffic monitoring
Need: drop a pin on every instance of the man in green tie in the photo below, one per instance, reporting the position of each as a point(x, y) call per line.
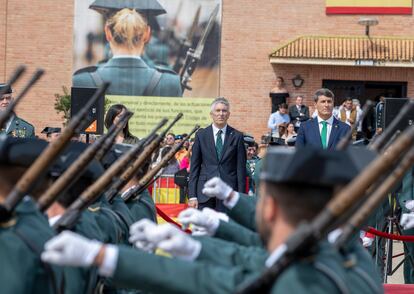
point(323, 131)
point(218, 151)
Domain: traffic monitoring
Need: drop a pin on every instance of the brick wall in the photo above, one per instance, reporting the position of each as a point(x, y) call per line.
point(39, 34)
point(253, 29)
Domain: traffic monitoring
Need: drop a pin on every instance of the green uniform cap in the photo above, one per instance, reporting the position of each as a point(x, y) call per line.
point(145, 7)
point(9, 89)
point(316, 167)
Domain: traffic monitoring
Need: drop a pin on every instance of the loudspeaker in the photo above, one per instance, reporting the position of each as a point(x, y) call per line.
point(79, 98)
point(392, 107)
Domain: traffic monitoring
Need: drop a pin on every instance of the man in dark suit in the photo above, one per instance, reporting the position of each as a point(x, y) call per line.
point(299, 112)
point(218, 151)
point(323, 131)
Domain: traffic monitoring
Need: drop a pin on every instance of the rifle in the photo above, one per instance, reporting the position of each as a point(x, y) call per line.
point(347, 139)
point(5, 115)
point(146, 180)
point(307, 235)
point(187, 42)
point(18, 72)
point(71, 215)
point(111, 139)
point(46, 158)
point(194, 55)
point(375, 199)
point(380, 141)
point(132, 169)
point(75, 170)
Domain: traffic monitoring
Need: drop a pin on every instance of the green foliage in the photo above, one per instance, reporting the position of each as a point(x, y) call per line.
point(62, 104)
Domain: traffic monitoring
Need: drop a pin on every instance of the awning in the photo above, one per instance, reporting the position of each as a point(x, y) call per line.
point(346, 51)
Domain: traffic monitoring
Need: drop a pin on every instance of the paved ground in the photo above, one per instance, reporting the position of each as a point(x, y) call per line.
point(398, 276)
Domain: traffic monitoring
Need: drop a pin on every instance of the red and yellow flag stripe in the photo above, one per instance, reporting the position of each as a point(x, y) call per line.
point(369, 6)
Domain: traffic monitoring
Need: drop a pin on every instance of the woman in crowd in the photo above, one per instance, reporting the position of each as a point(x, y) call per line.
point(112, 116)
point(290, 134)
point(128, 32)
point(278, 94)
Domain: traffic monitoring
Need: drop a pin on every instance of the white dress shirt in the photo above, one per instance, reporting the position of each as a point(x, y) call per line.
point(215, 131)
point(329, 127)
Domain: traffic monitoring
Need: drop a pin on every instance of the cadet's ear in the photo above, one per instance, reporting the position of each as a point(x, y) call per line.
point(108, 34)
point(270, 209)
point(147, 35)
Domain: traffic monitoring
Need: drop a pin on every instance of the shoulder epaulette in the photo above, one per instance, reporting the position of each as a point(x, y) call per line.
point(92, 68)
point(164, 69)
point(26, 122)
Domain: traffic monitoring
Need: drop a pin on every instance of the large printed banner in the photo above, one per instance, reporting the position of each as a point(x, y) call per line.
point(150, 110)
point(151, 48)
point(369, 6)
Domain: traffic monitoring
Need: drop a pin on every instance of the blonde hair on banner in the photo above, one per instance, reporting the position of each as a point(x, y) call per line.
point(127, 27)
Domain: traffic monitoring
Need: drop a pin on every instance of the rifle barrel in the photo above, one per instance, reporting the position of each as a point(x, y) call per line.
point(154, 171)
point(375, 199)
point(5, 115)
point(75, 170)
point(49, 154)
point(87, 197)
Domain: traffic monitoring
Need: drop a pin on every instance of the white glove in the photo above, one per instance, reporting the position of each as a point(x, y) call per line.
point(367, 241)
point(138, 237)
point(410, 205)
point(217, 188)
point(407, 221)
point(208, 221)
point(71, 249)
point(174, 241)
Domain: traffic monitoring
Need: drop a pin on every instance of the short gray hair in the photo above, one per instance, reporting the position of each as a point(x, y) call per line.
point(220, 100)
point(323, 92)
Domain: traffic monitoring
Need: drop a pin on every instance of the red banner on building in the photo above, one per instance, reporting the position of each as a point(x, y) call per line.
point(369, 6)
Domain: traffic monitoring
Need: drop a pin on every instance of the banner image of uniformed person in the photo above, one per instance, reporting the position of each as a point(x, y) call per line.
point(161, 48)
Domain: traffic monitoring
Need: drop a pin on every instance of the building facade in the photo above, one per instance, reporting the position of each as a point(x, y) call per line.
point(39, 33)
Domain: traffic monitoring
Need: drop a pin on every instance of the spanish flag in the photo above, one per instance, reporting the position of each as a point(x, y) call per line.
point(369, 6)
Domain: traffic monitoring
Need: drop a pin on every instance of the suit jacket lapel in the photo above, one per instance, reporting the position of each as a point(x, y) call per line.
point(317, 134)
point(210, 141)
point(334, 133)
point(227, 140)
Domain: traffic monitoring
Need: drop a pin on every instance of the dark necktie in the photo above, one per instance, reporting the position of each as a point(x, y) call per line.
point(219, 144)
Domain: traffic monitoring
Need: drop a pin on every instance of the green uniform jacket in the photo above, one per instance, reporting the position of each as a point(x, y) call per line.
point(244, 212)
point(19, 128)
point(21, 243)
point(142, 206)
point(232, 231)
point(322, 273)
point(129, 76)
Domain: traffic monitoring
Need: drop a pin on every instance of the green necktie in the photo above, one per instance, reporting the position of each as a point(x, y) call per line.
point(324, 134)
point(219, 144)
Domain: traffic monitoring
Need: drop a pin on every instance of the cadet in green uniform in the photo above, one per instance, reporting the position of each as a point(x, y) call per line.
point(23, 236)
point(16, 126)
point(127, 32)
point(280, 209)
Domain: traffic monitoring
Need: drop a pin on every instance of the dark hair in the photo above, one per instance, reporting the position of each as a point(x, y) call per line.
point(67, 198)
point(323, 92)
point(113, 111)
point(281, 78)
point(347, 99)
point(302, 202)
point(283, 105)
